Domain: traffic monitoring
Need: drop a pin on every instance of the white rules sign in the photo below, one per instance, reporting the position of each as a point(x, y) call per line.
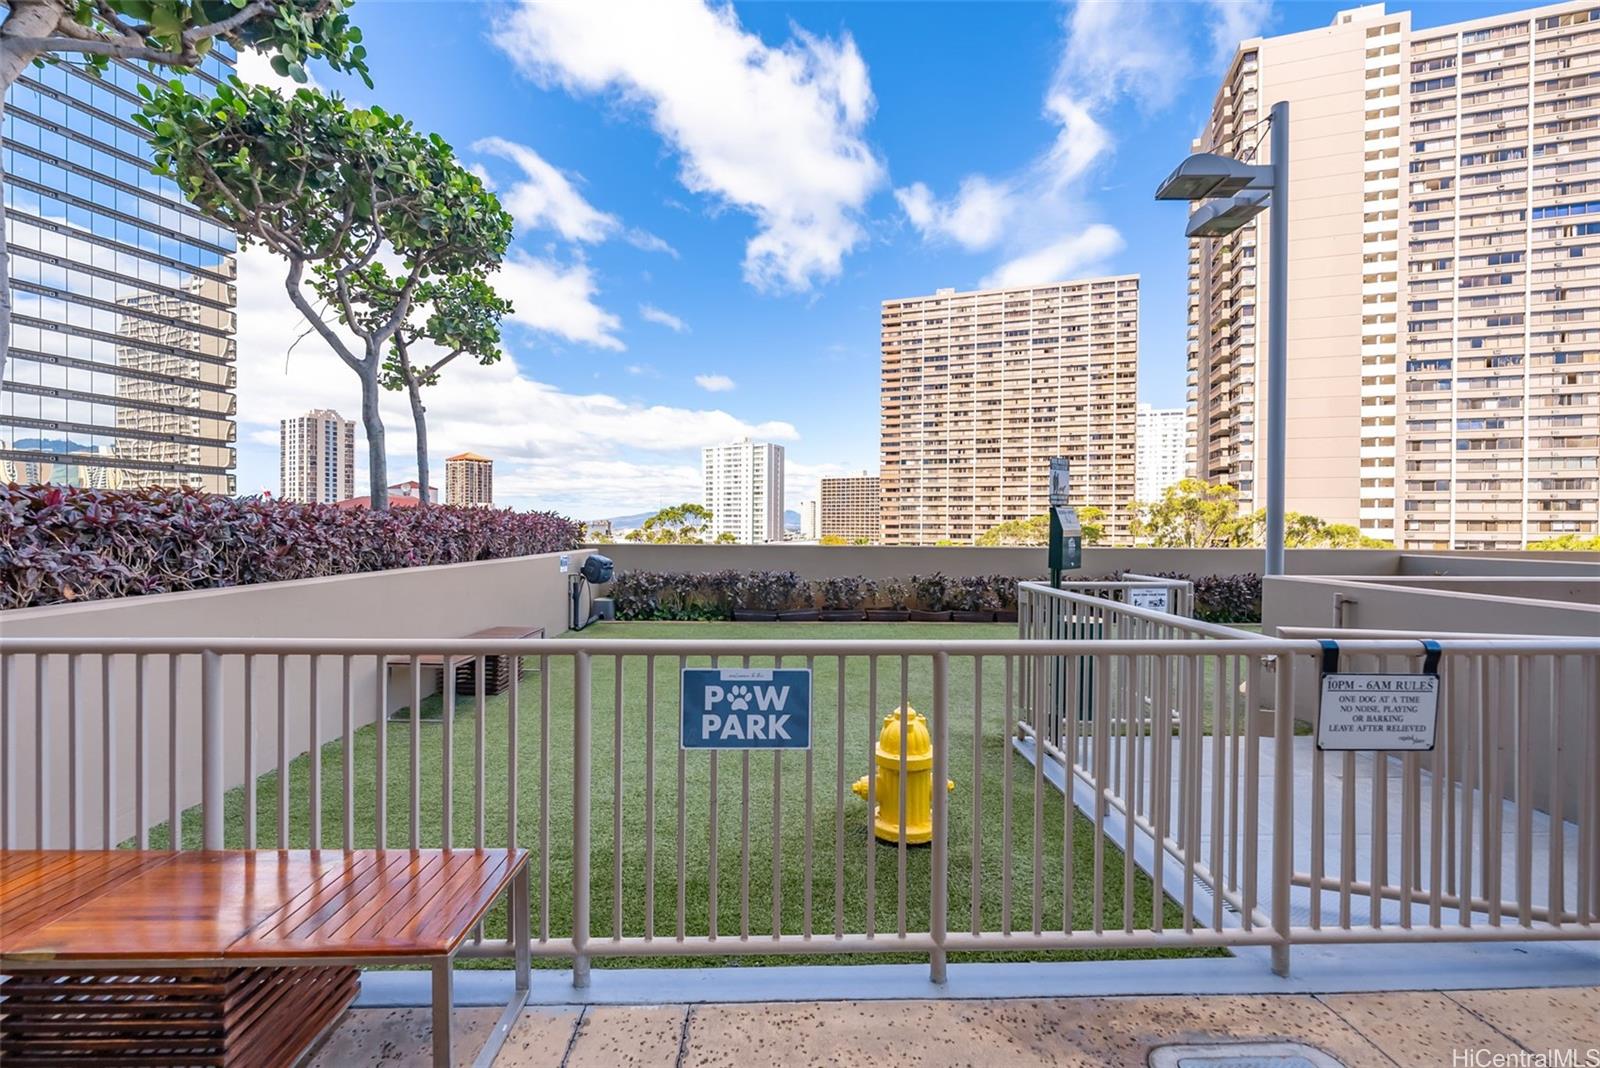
point(1377, 712)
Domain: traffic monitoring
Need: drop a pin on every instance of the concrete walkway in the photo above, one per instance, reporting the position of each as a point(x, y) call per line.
point(1389, 1030)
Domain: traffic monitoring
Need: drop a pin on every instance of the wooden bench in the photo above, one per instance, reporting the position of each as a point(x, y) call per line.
point(497, 669)
point(167, 914)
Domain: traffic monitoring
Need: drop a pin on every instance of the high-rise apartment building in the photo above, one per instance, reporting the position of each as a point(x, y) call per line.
point(317, 457)
point(808, 520)
point(743, 489)
point(1444, 286)
point(847, 508)
point(469, 480)
point(1161, 450)
point(121, 366)
point(981, 389)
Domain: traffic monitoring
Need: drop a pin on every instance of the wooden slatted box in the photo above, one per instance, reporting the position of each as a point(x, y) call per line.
point(237, 1018)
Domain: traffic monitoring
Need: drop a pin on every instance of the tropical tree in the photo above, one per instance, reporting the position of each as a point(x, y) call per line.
point(333, 189)
point(678, 524)
point(1301, 531)
point(1193, 514)
point(1568, 543)
point(1035, 530)
point(175, 34)
point(463, 314)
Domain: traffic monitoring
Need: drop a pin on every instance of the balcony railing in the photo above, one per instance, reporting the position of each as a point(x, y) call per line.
point(1168, 735)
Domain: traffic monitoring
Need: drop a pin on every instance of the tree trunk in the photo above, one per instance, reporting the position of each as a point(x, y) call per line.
point(419, 417)
point(377, 459)
point(25, 19)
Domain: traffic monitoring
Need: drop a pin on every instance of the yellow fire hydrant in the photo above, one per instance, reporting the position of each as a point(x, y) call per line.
point(919, 780)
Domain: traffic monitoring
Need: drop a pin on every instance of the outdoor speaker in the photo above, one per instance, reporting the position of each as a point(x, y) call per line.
point(597, 569)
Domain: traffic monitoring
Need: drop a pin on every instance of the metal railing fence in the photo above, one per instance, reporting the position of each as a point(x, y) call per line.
point(643, 849)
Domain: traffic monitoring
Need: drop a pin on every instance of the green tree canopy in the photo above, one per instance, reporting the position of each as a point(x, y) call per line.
point(1035, 530)
point(175, 34)
point(334, 190)
point(678, 524)
point(1195, 514)
point(1568, 543)
point(454, 315)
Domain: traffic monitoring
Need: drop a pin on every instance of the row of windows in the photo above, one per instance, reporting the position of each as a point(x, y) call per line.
point(94, 222)
point(167, 310)
point(21, 165)
point(27, 237)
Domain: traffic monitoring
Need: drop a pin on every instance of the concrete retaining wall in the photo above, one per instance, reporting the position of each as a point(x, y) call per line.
point(429, 602)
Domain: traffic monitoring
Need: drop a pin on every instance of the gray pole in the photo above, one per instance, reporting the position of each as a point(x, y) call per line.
point(1277, 335)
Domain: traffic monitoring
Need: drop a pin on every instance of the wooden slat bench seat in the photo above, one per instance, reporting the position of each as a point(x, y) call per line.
point(102, 914)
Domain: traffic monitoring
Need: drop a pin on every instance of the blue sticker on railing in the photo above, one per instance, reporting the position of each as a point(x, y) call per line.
point(745, 708)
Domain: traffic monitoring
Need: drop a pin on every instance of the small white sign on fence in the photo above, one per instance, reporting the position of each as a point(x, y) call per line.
point(1389, 712)
point(1154, 598)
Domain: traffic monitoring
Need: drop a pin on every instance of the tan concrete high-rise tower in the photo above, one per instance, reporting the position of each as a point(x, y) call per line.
point(469, 480)
point(1444, 385)
point(980, 390)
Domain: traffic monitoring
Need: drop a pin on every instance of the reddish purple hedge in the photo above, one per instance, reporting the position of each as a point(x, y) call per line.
point(63, 543)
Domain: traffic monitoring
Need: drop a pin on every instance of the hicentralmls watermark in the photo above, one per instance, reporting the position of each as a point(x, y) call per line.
point(1550, 1058)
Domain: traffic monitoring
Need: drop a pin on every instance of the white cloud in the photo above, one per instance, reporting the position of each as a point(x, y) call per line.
point(1234, 21)
point(255, 68)
point(645, 241)
point(1037, 214)
point(544, 197)
point(775, 132)
point(652, 314)
point(559, 299)
point(974, 218)
point(1061, 259)
point(587, 453)
point(714, 383)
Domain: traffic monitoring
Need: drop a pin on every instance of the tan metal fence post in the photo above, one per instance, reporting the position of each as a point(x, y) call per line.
point(211, 769)
point(1283, 811)
point(938, 919)
point(580, 818)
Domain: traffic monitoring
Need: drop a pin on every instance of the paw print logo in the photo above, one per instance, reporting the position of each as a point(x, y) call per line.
point(739, 699)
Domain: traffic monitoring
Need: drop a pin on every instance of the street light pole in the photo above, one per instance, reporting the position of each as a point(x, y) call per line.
point(1277, 336)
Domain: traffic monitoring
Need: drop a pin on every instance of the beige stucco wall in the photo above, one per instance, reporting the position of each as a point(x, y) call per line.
point(429, 602)
point(1309, 602)
point(1320, 73)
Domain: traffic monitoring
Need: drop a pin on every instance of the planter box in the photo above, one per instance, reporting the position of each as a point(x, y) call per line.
point(800, 615)
point(843, 615)
point(754, 615)
point(1006, 615)
point(887, 615)
point(973, 617)
point(918, 616)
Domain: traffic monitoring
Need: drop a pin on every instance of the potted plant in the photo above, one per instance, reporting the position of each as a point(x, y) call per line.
point(932, 598)
point(842, 598)
point(973, 600)
point(1005, 591)
point(754, 599)
point(792, 598)
point(889, 600)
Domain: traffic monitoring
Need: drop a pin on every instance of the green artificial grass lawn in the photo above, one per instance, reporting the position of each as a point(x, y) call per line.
point(777, 824)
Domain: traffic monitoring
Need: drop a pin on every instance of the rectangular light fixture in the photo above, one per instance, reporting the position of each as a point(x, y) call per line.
point(1218, 218)
point(1207, 174)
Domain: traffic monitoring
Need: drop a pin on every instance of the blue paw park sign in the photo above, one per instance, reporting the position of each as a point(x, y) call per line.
point(746, 708)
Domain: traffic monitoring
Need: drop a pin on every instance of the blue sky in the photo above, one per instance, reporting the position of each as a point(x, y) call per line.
point(713, 201)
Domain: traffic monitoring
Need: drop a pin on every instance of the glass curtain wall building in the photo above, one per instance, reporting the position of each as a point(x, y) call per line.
point(121, 370)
